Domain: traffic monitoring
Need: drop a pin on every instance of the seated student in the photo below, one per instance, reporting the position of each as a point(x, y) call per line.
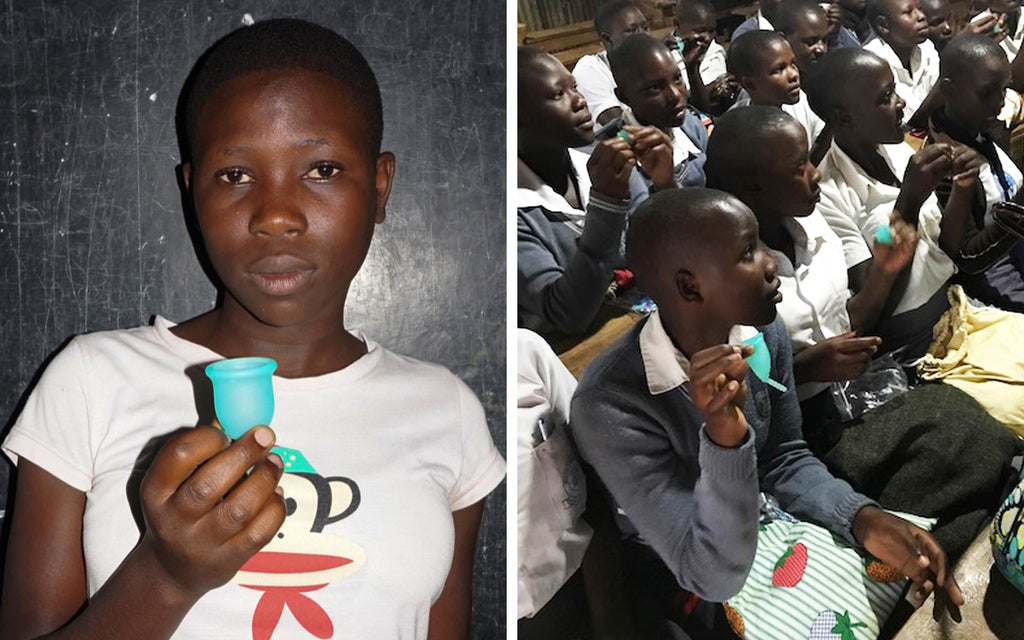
point(939, 17)
point(712, 89)
point(385, 460)
point(571, 205)
point(903, 43)
point(684, 436)
point(766, 68)
point(973, 79)
point(759, 154)
point(650, 85)
point(870, 176)
point(614, 21)
point(1007, 29)
point(805, 27)
point(567, 540)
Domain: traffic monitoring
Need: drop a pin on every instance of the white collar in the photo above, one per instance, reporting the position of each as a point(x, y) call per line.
point(546, 197)
point(762, 22)
point(665, 366)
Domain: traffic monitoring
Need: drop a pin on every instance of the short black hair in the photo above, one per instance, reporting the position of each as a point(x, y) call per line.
point(873, 9)
point(683, 6)
point(825, 82)
point(609, 11)
point(280, 44)
point(965, 52)
point(745, 51)
point(634, 50)
point(789, 12)
point(740, 143)
point(671, 226)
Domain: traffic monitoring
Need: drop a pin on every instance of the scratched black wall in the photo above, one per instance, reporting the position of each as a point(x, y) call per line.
point(91, 231)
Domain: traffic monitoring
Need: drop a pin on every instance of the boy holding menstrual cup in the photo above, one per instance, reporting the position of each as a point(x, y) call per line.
point(367, 527)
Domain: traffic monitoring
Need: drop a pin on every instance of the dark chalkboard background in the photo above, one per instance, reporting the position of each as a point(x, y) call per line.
point(91, 231)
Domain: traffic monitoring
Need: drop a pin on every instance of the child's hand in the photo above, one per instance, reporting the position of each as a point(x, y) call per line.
point(653, 149)
point(834, 17)
point(908, 549)
point(723, 88)
point(204, 516)
point(609, 167)
point(990, 25)
point(926, 169)
point(694, 50)
point(894, 258)
point(966, 166)
point(718, 388)
point(842, 357)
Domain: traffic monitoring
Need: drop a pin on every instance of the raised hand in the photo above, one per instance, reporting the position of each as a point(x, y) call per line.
point(718, 388)
point(653, 150)
point(894, 257)
point(926, 169)
point(204, 515)
point(842, 357)
point(609, 167)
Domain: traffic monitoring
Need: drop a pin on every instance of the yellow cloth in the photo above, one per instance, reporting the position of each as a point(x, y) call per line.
point(977, 351)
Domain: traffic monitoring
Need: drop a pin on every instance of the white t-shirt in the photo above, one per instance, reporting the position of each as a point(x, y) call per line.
point(802, 113)
point(855, 205)
point(815, 289)
point(552, 537)
point(993, 189)
point(378, 455)
point(913, 86)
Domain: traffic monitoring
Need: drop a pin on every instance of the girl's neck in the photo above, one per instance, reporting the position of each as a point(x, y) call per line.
point(301, 351)
point(690, 335)
point(550, 164)
point(868, 158)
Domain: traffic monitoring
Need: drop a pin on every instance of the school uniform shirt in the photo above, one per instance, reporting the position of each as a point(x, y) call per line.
point(913, 85)
point(565, 256)
point(552, 537)
point(377, 457)
point(801, 112)
point(854, 204)
point(756, 22)
point(994, 189)
point(815, 288)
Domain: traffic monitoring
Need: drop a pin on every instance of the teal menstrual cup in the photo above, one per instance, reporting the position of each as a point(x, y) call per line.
point(761, 361)
point(243, 394)
point(883, 234)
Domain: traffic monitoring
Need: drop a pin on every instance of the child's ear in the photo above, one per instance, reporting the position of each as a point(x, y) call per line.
point(186, 175)
point(841, 117)
point(946, 86)
point(605, 39)
point(385, 174)
point(687, 286)
point(881, 25)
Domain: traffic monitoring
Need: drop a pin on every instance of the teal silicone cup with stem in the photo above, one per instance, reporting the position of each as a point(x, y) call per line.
point(243, 393)
point(761, 361)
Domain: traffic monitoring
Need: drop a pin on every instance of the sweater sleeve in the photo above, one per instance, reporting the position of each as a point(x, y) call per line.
point(698, 509)
point(567, 294)
point(789, 471)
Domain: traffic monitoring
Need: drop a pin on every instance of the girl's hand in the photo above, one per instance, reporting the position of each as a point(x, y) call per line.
point(718, 388)
point(838, 358)
point(908, 549)
point(894, 258)
point(653, 149)
point(609, 167)
point(204, 516)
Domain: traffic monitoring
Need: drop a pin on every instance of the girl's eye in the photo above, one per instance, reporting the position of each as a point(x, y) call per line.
point(323, 171)
point(234, 176)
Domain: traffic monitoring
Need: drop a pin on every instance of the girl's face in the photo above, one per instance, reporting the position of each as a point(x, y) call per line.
point(287, 190)
point(778, 80)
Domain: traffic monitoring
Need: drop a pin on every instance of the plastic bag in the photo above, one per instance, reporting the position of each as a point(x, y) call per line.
point(882, 381)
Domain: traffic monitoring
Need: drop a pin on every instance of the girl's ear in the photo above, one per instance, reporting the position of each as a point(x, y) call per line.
point(385, 174)
point(687, 286)
point(186, 175)
point(881, 25)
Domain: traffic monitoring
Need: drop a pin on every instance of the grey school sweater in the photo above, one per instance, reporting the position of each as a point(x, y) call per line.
point(695, 503)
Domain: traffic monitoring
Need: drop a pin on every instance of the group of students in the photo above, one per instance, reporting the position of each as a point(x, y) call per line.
point(831, 186)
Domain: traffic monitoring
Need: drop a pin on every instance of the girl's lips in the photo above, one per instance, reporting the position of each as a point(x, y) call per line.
point(281, 283)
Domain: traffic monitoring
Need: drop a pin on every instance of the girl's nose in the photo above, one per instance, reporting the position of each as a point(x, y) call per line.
point(277, 215)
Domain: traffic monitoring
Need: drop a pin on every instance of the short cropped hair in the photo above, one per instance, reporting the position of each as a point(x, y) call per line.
point(789, 12)
point(684, 8)
point(875, 8)
point(609, 11)
point(670, 225)
point(281, 44)
point(825, 81)
point(740, 143)
point(965, 52)
point(746, 50)
point(635, 50)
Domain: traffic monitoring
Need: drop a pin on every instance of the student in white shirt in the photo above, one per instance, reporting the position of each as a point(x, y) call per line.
point(712, 88)
point(903, 43)
point(614, 21)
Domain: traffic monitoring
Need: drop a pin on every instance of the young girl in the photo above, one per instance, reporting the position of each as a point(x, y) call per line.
point(131, 522)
